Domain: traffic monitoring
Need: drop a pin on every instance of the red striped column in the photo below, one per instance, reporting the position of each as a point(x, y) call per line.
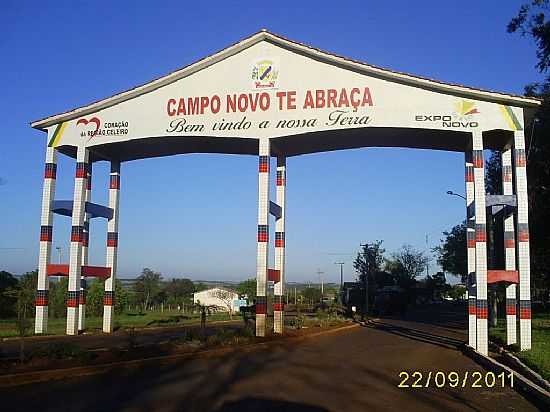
point(509, 248)
point(263, 236)
point(520, 165)
point(112, 247)
point(77, 238)
point(481, 243)
point(46, 231)
point(85, 243)
point(279, 290)
point(471, 250)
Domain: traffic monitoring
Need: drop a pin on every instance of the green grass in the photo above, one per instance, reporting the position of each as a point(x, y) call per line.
point(94, 324)
point(538, 358)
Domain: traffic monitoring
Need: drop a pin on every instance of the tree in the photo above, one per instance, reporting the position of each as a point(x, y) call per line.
point(147, 287)
point(312, 294)
point(405, 265)
point(493, 173)
point(532, 21)
point(94, 297)
point(369, 260)
point(226, 297)
point(456, 292)
point(452, 252)
point(437, 285)
point(179, 290)
point(7, 302)
point(367, 264)
point(248, 288)
point(57, 301)
point(24, 293)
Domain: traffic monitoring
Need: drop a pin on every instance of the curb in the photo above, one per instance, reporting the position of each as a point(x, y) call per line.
point(24, 378)
point(539, 395)
point(525, 370)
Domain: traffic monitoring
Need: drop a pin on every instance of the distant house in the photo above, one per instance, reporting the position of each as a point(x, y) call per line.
point(222, 298)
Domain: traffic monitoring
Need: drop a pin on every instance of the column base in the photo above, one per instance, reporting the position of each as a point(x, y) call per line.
point(41, 320)
point(260, 324)
point(511, 335)
point(72, 321)
point(107, 319)
point(81, 317)
point(279, 321)
point(524, 334)
point(482, 338)
point(472, 335)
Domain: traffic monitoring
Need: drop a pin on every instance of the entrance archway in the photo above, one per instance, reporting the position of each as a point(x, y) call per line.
point(272, 97)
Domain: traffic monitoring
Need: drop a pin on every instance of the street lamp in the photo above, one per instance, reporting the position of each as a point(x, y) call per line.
point(450, 192)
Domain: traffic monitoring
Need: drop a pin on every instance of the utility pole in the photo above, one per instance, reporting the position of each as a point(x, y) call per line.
point(366, 309)
point(321, 282)
point(341, 273)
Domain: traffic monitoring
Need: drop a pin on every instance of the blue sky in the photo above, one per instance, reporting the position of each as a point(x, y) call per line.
point(196, 215)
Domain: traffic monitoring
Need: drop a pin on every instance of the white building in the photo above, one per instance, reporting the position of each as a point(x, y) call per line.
point(222, 298)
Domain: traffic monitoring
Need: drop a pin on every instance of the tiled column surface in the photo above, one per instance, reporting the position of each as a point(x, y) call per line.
point(112, 247)
point(278, 306)
point(263, 236)
point(520, 163)
point(481, 244)
point(509, 248)
point(77, 237)
point(46, 231)
point(471, 251)
point(85, 243)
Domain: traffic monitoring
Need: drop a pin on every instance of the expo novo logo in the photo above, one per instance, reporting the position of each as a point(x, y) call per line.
point(462, 117)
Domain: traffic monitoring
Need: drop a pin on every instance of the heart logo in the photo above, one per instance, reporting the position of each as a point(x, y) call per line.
point(93, 120)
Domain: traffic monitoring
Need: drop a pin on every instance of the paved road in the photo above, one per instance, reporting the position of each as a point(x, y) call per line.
point(353, 371)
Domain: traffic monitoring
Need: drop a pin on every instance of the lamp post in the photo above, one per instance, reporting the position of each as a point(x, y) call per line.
point(450, 192)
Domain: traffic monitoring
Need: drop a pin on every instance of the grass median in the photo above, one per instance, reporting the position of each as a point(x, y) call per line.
point(57, 326)
point(538, 358)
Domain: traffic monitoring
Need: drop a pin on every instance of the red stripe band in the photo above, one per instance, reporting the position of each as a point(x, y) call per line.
point(51, 171)
point(46, 233)
point(114, 183)
point(278, 307)
point(478, 158)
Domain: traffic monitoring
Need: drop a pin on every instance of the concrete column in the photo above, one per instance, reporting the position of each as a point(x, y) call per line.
point(520, 165)
point(481, 243)
point(471, 250)
point(85, 244)
point(263, 236)
point(46, 232)
point(112, 247)
point(77, 237)
point(278, 306)
point(509, 248)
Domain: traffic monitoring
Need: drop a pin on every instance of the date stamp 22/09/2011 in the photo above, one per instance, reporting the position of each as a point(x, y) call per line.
point(452, 379)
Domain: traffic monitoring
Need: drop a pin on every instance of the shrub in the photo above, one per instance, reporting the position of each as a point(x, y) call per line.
point(62, 351)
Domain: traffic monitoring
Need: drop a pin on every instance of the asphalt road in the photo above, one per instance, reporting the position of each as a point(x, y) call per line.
point(357, 370)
